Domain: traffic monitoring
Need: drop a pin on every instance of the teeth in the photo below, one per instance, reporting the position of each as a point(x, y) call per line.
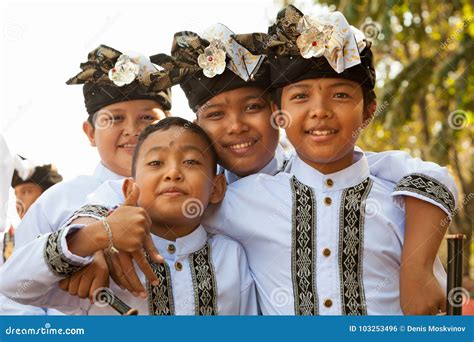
point(130, 145)
point(326, 132)
point(244, 145)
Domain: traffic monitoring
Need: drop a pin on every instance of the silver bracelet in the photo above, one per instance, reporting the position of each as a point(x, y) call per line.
point(111, 249)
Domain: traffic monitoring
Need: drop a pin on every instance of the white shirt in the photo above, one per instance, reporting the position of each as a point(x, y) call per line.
point(52, 209)
point(296, 252)
point(49, 212)
point(223, 282)
point(430, 182)
point(6, 172)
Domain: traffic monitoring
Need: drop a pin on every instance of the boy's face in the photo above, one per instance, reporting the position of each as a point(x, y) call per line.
point(176, 177)
point(327, 114)
point(26, 194)
point(239, 123)
point(116, 131)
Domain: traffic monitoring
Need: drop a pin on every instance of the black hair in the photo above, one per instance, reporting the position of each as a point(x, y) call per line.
point(167, 123)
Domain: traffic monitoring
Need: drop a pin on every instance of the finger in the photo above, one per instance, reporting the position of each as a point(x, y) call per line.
point(64, 284)
point(85, 284)
point(140, 259)
point(101, 280)
point(74, 282)
point(118, 274)
point(130, 274)
point(132, 196)
point(150, 248)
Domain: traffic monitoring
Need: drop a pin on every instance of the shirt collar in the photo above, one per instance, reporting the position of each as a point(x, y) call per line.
point(103, 174)
point(350, 176)
point(182, 246)
point(272, 167)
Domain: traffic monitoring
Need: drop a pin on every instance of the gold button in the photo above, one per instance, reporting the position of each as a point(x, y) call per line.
point(329, 182)
point(328, 303)
point(171, 248)
point(326, 252)
point(178, 266)
point(327, 201)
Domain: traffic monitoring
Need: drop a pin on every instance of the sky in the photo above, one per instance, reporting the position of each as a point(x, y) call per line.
point(43, 43)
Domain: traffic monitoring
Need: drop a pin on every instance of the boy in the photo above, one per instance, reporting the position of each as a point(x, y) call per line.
point(339, 248)
point(220, 103)
point(27, 192)
point(174, 170)
point(120, 101)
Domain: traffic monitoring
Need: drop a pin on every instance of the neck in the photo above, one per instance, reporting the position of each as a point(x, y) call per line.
point(172, 232)
point(332, 166)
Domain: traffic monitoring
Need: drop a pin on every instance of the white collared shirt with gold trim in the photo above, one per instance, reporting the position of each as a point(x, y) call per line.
point(322, 244)
point(202, 275)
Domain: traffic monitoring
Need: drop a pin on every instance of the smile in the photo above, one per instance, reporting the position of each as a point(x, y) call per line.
point(242, 145)
point(323, 132)
point(128, 145)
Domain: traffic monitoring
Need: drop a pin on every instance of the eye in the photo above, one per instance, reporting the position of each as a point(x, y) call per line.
point(214, 115)
point(191, 162)
point(341, 95)
point(253, 107)
point(155, 163)
point(299, 96)
point(148, 117)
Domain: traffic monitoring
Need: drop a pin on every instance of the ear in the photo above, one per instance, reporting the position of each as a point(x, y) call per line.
point(90, 132)
point(274, 107)
point(220, 186)
point(127, 186)
point(369, 111)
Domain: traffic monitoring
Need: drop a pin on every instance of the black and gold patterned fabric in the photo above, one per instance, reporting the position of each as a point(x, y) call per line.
point(100, 90)
point(183, 68)
point(283, 47)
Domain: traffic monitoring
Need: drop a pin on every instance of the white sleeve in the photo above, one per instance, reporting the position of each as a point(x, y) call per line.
point(12, 308)
point(414, 177)
point(33, 224)
point(248, 293)
point(32, 273)
point(6, 172)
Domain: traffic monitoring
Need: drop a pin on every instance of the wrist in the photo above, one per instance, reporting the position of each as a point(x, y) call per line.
point(98, 235)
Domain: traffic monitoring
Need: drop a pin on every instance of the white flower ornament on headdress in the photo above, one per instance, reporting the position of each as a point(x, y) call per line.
point(130, 66)
point(331, 36)
point(212, 61)
point(314, 37)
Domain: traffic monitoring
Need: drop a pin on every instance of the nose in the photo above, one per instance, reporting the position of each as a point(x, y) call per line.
point(319, 109)
point(236, 124)
point(174, 174)
point(132, 128)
